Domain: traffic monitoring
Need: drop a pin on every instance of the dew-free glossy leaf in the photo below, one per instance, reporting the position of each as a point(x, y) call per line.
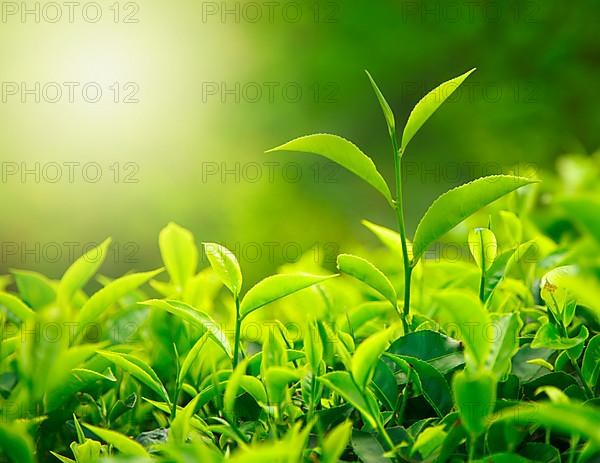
point(464, 312)
point(125, 445)
point(16, 306)
point(389, 238)
point(180, 427)
point(341, 382)
point(454, 206)
point(35, 289)
point(591, 361)
point(179, 253)
point(225, 265)
point(483, 246)
point(335, 442)
point(139, 370)
point(504, 333)
point(429, 105)
point(385, 107)
point(343, 152)
point(365, 358)
point(195, 317)
point(474, 394)
point(275, 287)
point(365, 271)
point(549, 337)
point(429, 440)
point(80, 272)
point(231, 391)
point(111, 293)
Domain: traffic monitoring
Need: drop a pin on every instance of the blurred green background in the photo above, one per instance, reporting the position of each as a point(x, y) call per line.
point(193, 93)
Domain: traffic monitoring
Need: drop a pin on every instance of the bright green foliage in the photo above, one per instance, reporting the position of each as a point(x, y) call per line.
point(493, 361)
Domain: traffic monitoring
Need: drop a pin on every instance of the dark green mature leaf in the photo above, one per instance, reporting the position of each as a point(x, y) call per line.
point(428, 105)
point(179, 253)
point(591, 362)
point(368, 448)
point(111, 293)
point(225, 265)
point(80, 272)
point(275, 287)
point(342, 383)
point(432, 383)
point(456, 205)
point(343, 152)
point(366, 272)
point(195, 317)
point(425, 345)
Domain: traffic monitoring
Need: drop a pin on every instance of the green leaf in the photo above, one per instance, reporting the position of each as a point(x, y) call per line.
point(483, 246)
point(111, 293)
point(454, 206)
point(179, 253)
point(16, 306)
point(16, 442)
point(569, 418)
point(80, 272)
point(584, 210)
point(191, 356)
point(225, 265)
point(366, 272)
point(124, 444)
point(368, 448)
point(505, 343)
point(365, 358)
point(428, 441)
point(313, 347)
point(342, 383)
point(428, 105)
point(195, 317)
point(231, 391)
point(138, 369)
point(34, 288)
point(343, 152)
point(475, 395)
point(549, 337)
point(464, 312)
point(180, 427)
point(385, 107)
point(389, 238)
point(591, 364)
point(275, 287)
point(335, 442)
point(276, 380)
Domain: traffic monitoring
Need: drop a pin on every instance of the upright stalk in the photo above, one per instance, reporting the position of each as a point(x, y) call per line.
point(399, 208)
point(238, 329)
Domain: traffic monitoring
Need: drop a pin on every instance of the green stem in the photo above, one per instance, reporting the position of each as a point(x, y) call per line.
point(238, 329)
point(588, 392)
point(399, 208)
point(471, 447)
point(482, 286)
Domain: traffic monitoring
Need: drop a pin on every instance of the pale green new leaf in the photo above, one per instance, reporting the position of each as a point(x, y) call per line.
point(483, 247)
point(342, 383)
point(389, 238)
point(335, 442)
point(80, 272)
point(474, 394)
point(231, 391)
point(139, 370)
point(428, 105)
point(179, 253)
point(225, 265)
point(16, 442)
point(111, 293)
point(180, 427)
point(16, 306)
point(385, 107)
point(275, 287)
point(343, 152)
point(366, 272)
point(196, 317)
point(456, 205)
point(464, 312)
point(367, 353)
point(124, 444)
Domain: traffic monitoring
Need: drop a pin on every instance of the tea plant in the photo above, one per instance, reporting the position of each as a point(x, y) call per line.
point(491, 357)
